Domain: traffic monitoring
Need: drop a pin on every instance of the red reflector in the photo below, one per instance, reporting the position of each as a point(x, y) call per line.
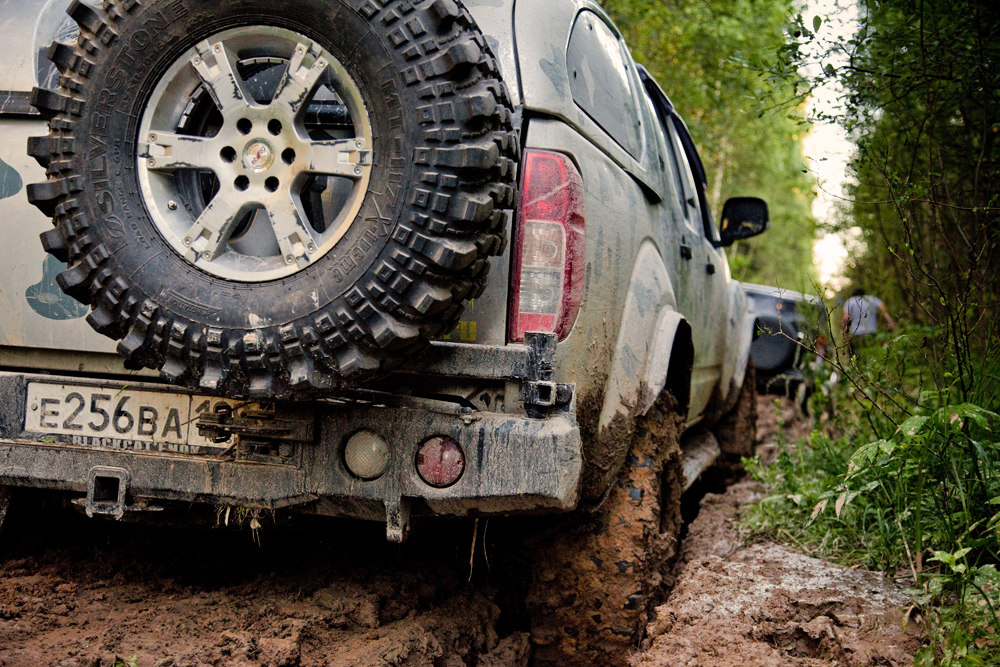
point(440, 461)
point(549, 247)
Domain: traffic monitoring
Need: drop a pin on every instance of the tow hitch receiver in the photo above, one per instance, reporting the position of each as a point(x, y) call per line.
point(106, 489)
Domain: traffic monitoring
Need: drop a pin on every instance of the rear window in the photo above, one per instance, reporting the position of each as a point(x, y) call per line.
point(600, 82)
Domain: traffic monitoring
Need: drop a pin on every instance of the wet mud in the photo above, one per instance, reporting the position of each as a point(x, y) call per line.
point(78, 592)
point(82, 593)
point(763, 604)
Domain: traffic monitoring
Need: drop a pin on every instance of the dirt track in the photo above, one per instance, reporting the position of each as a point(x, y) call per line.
point(77, 592)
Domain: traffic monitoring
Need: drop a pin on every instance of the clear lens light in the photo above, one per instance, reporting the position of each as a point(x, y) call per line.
point(366, 455)
point(544, 245)
point(541, 291)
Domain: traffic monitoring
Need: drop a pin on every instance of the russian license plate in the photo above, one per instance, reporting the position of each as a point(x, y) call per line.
point(133, 419)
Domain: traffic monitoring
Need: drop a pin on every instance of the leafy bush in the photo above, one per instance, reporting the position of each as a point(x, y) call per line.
point(905, 479)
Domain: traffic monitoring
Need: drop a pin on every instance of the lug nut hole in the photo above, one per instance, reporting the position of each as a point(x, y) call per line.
point(241, 183)
point(288, 156)
point(244, 125)
point(271, 184)
point(274, 126)
point(228, 154)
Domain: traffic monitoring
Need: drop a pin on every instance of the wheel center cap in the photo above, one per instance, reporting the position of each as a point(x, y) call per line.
point(258, 156)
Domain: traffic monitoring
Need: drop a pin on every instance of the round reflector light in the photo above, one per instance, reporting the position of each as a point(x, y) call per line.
point(366, 455)
point(440, 461)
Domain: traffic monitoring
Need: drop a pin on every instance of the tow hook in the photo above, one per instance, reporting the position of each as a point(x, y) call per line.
point(259, 422)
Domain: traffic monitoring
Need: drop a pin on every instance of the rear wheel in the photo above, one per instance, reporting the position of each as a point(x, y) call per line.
point(593, 580)
point(270, 198)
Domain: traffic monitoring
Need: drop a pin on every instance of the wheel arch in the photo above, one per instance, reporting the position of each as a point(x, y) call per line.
point(671, 358)
point(653, 351)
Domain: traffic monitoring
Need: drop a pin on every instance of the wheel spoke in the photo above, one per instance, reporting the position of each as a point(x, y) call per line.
point(166, 150)
point(206, 239)
point(300, 79)
point(214, 65)
point(294, 236)
point(341, 157)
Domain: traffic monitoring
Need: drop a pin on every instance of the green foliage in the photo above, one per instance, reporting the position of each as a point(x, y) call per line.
point(921, 100)
point(922, 104)
point(957, 632)
point(909, 485)
point(701, 53)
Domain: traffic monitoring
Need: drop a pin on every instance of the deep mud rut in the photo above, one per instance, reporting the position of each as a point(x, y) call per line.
point(80, 592)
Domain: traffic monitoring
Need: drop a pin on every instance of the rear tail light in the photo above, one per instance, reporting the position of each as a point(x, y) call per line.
point(440, 461)
point(549, 247)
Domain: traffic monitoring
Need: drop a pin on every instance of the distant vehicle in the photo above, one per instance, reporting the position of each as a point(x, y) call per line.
point(789, 323)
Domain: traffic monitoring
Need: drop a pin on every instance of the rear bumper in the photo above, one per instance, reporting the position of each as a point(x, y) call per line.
point(513, 462)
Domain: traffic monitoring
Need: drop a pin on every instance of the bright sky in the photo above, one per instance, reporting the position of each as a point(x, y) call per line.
point(828, 150)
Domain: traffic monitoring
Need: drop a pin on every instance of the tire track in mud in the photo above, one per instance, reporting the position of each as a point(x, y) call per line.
point(307, 591)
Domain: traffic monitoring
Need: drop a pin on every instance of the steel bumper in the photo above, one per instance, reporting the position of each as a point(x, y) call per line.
point(513, 462)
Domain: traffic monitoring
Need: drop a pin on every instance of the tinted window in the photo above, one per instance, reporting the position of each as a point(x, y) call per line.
point(599, 80)
point(675, 168)
point(679, 169)
point(692, 211)
point(698, 169)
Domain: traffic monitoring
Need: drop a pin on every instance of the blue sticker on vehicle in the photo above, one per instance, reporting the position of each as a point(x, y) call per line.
point(46, 299)
point(10, 180)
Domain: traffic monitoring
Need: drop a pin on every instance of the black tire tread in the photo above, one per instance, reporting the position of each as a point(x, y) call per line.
point(736, 431)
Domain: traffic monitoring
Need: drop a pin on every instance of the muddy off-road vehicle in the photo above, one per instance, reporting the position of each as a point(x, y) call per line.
point(793, 328)
point(366, 258)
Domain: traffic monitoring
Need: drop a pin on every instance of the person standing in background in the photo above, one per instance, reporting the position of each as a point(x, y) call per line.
point(860, 319)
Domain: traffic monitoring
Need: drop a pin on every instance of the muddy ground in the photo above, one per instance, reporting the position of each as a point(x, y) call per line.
point(87, 593)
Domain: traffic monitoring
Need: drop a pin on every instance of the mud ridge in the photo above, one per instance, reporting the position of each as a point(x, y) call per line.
point(735, 602)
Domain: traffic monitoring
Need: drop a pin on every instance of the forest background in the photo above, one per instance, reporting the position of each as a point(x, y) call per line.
point(708, 57)
point(920, 98)
point(902, 474)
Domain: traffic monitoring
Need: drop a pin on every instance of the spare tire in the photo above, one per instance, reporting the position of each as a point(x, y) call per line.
point(274, 198)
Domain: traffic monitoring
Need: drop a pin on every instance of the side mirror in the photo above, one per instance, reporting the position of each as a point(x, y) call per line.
point(742, 217)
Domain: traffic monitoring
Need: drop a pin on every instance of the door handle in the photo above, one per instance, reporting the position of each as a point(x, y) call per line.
point(686, 251)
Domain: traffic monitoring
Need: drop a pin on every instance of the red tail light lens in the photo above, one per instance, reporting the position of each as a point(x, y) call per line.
point(440, 461)
point(549, 247)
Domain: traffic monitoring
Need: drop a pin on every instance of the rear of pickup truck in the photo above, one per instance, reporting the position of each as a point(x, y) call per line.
point(470, 424)
point(611, 290)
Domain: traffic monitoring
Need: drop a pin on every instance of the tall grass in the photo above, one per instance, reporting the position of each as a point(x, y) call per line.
point(904, 478)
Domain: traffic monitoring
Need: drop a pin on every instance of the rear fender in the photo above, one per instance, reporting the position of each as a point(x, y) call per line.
point(649, 294)
point(650, 333)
